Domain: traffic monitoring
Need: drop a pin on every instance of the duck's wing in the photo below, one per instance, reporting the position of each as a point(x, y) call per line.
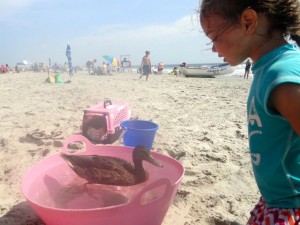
point(96, 161)
point(105, 176)
point(111, 163)
point(102, 169)
point(112, 171)
point(120, 177)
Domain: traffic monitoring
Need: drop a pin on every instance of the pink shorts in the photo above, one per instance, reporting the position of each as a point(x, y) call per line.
point(261, 215)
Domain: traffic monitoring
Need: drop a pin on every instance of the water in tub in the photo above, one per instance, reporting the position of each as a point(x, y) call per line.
point(62, 188)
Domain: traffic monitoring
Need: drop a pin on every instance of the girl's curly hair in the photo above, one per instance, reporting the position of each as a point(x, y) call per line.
point(284, 15)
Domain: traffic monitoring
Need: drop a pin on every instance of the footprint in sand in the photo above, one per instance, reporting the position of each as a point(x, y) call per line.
point(217, 221)
point(3, 142)
point(40, 151)
point(41, 137)
point(177, 155)
point(239, 134)
point(181, 196)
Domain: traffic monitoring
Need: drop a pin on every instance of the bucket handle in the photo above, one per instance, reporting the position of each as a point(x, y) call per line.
point(76, 138)
point(167, 192)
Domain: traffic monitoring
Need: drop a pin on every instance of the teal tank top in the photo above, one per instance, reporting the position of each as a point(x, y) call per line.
point(274, 145)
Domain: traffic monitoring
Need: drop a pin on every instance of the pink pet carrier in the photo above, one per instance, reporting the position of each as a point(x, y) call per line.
point(101, 122)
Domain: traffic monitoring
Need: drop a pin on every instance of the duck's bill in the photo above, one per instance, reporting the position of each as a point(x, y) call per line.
point(67, 159)
point(154, 162)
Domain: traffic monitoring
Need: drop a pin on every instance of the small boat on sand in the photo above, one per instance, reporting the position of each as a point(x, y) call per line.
point(206, 71)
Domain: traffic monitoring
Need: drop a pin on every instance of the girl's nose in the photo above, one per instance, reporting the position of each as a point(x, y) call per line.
point(213, 48)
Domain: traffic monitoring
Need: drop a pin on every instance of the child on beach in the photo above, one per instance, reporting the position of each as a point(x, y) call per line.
point(261, 30)
point(247, 69)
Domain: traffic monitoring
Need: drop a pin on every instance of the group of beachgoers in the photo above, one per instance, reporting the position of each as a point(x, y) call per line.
point(103, 69)
point(146, 67)
point(4, 68)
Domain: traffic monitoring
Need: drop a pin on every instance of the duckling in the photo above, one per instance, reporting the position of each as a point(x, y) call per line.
point(111, 170)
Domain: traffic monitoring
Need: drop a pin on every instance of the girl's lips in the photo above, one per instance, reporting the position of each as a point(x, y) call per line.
point(220, 56)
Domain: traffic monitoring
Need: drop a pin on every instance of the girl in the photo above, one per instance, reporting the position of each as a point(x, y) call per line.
point(260, 29)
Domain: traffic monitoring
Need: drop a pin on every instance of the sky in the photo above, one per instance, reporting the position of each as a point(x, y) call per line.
point(36, 30)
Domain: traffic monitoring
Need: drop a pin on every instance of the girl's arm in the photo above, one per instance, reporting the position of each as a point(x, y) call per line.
point(286, 100)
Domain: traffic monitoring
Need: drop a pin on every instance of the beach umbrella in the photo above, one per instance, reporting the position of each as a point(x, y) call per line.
point(108, 58)
point(68, 54)
point(115, 62)
point(111, 60)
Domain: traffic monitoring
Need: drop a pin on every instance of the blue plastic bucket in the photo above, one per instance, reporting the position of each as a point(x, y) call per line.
point(139, 132)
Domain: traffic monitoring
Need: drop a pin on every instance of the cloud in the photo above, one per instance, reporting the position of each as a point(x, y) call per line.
point(173, 42)
point(182, 40)
point(185, 26)
point(10, 7)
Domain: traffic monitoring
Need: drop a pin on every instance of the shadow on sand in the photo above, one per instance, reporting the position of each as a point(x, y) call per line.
point(21, 214)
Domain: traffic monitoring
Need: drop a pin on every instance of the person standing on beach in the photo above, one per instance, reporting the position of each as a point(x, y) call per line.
point(247, 68)
point(146, 65)
point(260, 30)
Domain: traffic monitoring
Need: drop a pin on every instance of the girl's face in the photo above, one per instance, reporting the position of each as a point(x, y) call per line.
point(228, 40)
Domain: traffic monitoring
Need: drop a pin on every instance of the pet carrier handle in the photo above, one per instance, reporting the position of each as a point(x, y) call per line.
point(106, 103)
point(76, 138)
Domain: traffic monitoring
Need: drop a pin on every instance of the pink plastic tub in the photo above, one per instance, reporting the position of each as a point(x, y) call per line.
point(49, 188)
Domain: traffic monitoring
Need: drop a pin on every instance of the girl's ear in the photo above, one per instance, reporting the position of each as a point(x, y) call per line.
point(249, 20)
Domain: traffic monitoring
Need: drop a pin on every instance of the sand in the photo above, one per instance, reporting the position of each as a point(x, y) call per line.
point(202, 125)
